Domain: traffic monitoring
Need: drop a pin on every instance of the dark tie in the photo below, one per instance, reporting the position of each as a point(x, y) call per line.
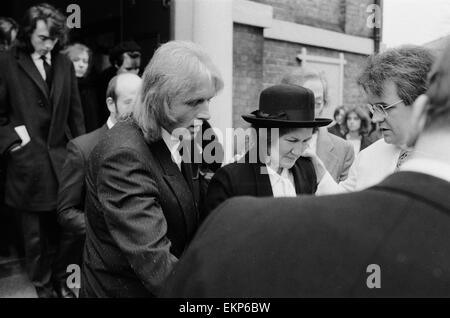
point(48, 72)
point(402, 158)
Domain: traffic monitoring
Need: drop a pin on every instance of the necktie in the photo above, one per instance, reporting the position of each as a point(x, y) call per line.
point(48, 72)
point(402, 158)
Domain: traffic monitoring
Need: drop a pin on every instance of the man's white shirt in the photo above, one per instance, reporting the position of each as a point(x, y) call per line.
point(282, 184)
point(429, 166)
point(40, 63)
point(370, 167)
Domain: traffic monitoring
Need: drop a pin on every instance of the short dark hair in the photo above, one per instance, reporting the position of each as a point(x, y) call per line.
point(406, 66)
point(55, 20)
point(129, 47)
point(338, 109)
point(438, 113)
point(7, 25)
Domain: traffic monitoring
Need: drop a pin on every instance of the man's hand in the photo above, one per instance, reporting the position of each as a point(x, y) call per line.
point(318, 164)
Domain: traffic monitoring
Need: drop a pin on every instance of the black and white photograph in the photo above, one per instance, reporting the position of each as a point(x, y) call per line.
point(218, 155)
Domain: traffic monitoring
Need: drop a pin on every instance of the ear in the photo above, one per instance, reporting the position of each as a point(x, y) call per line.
point(111, 105)
point(419, 112)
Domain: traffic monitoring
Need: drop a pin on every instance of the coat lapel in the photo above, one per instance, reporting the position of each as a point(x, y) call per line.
point(27, 64)
point(180, 188)
point(297, 178)
point(58, 79)
point(262, 181)
point(325, 151)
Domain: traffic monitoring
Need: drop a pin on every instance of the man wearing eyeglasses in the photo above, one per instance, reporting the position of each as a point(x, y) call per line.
point(392, 81)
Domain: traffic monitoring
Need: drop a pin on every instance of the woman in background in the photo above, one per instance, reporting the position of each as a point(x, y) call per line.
point(338, 128)
point(357, 122)
point(81, 57)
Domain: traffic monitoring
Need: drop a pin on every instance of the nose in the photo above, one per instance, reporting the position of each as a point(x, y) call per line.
point(203, 113)
point(297, 150)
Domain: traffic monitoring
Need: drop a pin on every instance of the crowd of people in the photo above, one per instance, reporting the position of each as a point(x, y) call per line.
point(101, 170)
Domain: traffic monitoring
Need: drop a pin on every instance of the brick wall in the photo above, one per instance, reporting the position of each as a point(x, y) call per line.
point(280, 57)
point(259, 63)
point(247, 70)
point(346, 16)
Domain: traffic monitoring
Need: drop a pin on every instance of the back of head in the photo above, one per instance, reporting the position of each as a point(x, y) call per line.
point(55, 20)
point(438, 111)
point(406, 66)
point(130, 47)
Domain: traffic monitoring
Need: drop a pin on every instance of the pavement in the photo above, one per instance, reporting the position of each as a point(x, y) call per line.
point(16, 286)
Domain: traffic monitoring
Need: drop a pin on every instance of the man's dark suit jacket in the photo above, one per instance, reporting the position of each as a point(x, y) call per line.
point(51, 117)
point(322, 246)
point(72, 189)
point(140, 215)
point(245, 178)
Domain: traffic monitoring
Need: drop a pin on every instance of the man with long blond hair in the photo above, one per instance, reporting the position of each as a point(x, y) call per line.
point(141, 210)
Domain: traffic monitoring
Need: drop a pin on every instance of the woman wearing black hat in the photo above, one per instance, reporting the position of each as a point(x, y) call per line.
point(284, 124)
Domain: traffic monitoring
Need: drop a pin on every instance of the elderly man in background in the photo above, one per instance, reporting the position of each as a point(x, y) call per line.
point(120, 97)
point(392, 80)
point(141, 209)
point(336, 153)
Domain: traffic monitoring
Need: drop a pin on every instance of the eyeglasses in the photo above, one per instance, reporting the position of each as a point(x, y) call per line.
point(380, 109)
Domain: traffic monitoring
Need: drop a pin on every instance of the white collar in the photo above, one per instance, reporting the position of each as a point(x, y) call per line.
point(282, 184)
point(36, 57)
point(109, 123)
point(430, 166)
point(172, 144)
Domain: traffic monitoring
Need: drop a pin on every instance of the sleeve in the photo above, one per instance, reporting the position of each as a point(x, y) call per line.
point(328, 186)
point(130, 199)
point(71, 193)
point(219, 190)
point(348, 160)
point(8, 136)
point(76, 119)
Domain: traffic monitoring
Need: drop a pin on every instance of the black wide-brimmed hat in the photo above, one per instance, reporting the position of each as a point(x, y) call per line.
point(286, 106)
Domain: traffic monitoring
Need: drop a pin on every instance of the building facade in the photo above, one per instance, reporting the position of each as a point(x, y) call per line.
point(256, 42)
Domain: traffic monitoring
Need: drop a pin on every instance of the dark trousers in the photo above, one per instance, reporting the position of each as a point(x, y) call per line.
point(70, 252)
point(40, 234)
point(48, 250)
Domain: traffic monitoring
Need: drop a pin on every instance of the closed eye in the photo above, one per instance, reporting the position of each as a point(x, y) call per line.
point(196, 102)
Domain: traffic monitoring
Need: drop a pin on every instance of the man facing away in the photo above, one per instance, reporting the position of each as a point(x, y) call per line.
point(390, 240)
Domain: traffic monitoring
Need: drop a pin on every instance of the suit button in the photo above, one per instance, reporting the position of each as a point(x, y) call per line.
point(40, 103)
